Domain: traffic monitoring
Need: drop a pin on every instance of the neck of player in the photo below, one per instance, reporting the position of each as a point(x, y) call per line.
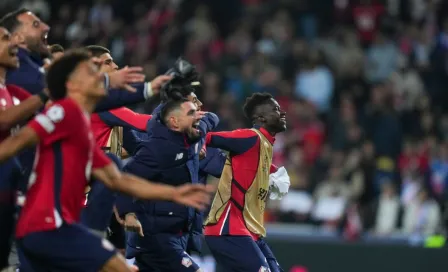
point(267, 128)
point(86, 103)
point(2, 75)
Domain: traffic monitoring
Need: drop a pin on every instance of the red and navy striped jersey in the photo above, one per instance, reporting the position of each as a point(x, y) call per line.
point(244, 146)
point(65, 156)
point(103, 122)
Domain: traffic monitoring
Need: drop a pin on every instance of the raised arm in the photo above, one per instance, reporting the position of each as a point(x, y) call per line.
point(236, 142)
point(209, 122)
point(120, 93)
point(126, 118)
point(15, 114)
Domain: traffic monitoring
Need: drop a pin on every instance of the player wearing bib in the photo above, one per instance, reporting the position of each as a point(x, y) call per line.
point(234, 229)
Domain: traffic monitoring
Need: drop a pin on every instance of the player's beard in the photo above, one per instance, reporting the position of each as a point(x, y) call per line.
point(36, 46)
point(193, 135)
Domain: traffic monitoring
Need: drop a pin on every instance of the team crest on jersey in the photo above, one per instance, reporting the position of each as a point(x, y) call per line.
point(55, 113)
point(264, 269)
point(187, 262)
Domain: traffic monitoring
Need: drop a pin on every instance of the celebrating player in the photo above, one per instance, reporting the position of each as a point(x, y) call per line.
point(47, 231)
point(10, 116)
point(234, 228)
point(107, 128)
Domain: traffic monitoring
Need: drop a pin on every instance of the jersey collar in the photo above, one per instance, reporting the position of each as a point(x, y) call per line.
point(266, 134)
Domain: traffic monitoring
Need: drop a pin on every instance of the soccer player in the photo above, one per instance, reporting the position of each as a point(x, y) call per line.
point(234, 228)
point(10, 116)
point(48, 232)
point(30, 33)
point(199, 165)
point(107, 128)
point(166, 157)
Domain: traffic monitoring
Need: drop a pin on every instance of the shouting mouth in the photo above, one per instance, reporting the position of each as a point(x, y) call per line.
point(196, 126)
point(44, 38)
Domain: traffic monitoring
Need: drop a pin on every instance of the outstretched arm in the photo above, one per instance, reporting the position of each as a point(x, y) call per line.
point(237, 141)
point(126, 118)
point(193, 195)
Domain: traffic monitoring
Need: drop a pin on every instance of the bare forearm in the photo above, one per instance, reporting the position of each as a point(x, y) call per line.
point(14, 115)
point(142, 189)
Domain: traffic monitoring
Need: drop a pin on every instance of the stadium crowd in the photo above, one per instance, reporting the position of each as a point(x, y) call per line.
point(363, 83)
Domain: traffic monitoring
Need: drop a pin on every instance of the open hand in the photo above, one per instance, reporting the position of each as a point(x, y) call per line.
point(125, 76)
point(158, 82)
point(194, 195)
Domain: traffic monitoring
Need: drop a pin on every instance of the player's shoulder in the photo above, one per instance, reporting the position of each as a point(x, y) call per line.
point(62, 109)
point(14, 87)
point(245, 131)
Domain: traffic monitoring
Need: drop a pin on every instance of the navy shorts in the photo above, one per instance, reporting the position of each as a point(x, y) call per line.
point(69, 248)
point(242, 254)
point(162, 252)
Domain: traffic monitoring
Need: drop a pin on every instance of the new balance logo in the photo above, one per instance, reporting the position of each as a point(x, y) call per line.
point(179, 156)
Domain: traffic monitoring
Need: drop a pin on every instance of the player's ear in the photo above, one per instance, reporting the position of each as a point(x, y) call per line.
point(173, 121)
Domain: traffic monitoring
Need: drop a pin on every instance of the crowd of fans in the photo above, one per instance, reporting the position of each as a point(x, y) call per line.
point(362, 81)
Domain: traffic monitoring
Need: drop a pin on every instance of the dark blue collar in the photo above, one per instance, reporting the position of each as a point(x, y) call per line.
point(35, 58)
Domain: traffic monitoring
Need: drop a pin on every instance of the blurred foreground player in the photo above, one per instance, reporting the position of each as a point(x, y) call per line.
point(234, 229)
point(10, 116)
point(48, 232)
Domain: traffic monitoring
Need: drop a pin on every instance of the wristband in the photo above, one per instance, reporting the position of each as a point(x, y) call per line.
point(43, 97)
point(148, 92)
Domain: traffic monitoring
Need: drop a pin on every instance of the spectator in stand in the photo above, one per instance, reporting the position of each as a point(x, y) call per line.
point(422, 216)
point(387, 210)
point(314, 82)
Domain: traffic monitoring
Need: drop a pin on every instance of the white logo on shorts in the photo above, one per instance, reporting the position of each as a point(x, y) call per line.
point(187, 262)
point(264, 269)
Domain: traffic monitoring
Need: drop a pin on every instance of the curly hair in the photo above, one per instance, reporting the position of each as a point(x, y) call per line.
point(253, 101)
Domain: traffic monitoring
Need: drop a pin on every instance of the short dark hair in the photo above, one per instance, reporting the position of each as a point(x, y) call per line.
point(97, 50)
point(59, 72)
point(170, 106)
point(55, 48)
point(253, 102)
point(10, 21)
point(177, 91)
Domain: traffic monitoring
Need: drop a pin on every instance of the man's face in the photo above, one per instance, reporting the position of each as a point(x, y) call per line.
point(187, 121)
point(33, 33)
point(275, 117)
point(8, 50)
point(88, 80)
point(193, 98)
point(107, 63)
